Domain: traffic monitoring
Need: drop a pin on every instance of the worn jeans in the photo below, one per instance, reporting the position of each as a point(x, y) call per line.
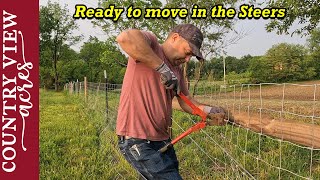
point(144, 156)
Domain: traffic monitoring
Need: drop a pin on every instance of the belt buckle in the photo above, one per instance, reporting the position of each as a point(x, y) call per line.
point(121, 138)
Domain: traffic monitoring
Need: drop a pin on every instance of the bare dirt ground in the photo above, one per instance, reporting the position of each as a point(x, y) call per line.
point(301, 98)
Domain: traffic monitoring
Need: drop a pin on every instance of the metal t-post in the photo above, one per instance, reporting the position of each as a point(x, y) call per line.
point(106, 79)
point(224, 71)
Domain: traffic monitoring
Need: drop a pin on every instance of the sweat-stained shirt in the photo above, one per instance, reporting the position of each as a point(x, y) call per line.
point(145, 106)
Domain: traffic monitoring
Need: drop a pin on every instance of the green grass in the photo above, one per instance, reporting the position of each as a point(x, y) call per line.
point(77, 141)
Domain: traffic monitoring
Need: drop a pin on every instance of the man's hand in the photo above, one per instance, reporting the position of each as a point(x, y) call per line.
point(218, 115)
point(217, 119)
point(167, 77)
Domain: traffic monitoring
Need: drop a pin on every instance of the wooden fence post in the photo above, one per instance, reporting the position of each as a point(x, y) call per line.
point(106, 89)
point(85, 89)
point(98, 88)
point(77, 87)
point(70, 87)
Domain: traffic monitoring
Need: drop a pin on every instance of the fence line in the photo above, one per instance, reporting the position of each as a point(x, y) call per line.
point(241, 146)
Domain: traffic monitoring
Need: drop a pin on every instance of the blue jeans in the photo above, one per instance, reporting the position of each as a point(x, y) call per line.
point(144, 156)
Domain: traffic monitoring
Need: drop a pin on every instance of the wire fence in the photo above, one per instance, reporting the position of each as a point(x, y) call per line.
point(277, 137)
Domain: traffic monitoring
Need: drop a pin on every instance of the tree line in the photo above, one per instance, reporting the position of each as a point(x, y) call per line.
point(60, 64)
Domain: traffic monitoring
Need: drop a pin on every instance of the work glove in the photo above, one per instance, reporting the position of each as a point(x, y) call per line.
point(217, 119)
point(218, 115)
point(167, 77)
point(213, 110)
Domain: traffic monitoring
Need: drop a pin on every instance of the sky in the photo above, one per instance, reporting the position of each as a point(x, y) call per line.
point(256, 42)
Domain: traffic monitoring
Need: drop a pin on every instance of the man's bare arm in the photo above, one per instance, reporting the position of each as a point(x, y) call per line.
point(135, 44)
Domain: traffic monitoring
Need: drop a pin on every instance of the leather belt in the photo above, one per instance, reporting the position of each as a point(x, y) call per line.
point(122, 138)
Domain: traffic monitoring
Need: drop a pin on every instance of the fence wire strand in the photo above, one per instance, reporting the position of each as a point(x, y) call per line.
point(284, 102)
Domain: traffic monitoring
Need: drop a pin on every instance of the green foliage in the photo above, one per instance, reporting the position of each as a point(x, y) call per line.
point(260, 70)
point(306, 13)
point(60, 64)
point(216, 65)
point(214, 30)
point(243, 63)
point(72, 71)
point(56, 28)
point(213, 69)
point(69, 68)
point(314, 40)
point(234, 78)
point(283, 63)
point(113, 29)
point(191, 69)
point(113, 61)
point(90, 53)
point(100, 56)
point(314, 47)
point(289, 62)
point(46, 77)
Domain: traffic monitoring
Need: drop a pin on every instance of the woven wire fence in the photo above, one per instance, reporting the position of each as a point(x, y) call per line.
point(256, 148)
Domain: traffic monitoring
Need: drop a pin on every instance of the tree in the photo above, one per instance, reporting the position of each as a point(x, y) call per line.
point(112, 56)
point(243, 63)
point(112, 60)
point(90, 53)
point(213, 68)
point(282, 63)
point(214, 30)
point(70, 67)
point(260, 69)
point(114, 28)
point(313, 43)
point(56, 26)
point(306, 13)
point(231, 64)
point(46, 70)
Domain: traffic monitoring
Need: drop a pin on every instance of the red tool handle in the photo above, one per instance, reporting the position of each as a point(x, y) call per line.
point(196, 127)
point(195, 109)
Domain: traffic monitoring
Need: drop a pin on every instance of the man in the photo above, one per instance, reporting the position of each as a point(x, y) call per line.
point(152, 79)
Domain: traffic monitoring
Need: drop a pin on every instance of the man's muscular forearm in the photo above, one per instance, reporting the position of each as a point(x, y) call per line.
point(134, 43)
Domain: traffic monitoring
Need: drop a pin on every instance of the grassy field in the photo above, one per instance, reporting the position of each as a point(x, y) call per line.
point(77, 141)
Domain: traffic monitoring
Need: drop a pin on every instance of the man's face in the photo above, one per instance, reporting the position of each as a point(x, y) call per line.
point(181, 50)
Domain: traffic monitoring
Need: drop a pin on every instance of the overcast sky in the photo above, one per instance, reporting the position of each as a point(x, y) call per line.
point(256, 42)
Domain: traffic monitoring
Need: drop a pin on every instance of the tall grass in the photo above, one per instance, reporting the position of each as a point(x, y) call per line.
point(74, 140)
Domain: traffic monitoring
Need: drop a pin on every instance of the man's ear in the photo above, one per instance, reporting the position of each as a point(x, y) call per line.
point(174, 37)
